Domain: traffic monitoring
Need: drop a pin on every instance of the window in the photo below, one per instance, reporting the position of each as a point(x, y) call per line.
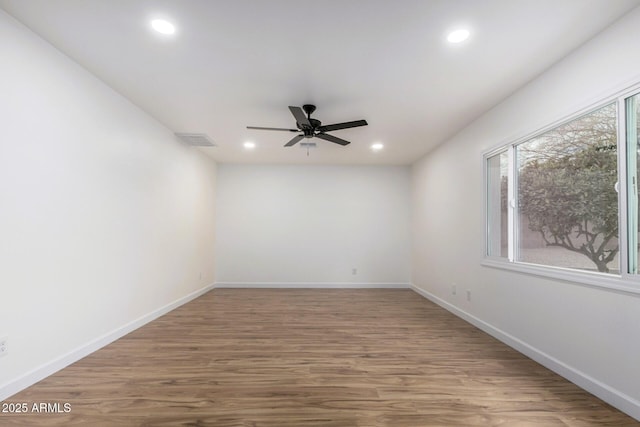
point(552, 200)
point(497, 199)
point(633, 152)
point(567, 202)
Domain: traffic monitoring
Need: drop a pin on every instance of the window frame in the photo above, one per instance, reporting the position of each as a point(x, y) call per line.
point(622, 282)
point(487, 237)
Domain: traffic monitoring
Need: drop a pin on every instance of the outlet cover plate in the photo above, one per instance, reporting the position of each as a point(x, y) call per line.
point(4, 346)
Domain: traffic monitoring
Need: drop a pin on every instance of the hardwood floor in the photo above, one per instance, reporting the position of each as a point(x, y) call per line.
point(283, 357)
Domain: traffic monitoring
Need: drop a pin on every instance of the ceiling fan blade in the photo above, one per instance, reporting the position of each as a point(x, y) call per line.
point(262, 128)
point(294, 140)
point(332, 138)
point(345, 125)
point(301, 118)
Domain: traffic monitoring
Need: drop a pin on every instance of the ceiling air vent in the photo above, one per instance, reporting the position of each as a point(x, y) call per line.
point(196, 139)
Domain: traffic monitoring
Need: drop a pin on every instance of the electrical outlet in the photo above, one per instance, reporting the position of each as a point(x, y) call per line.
point(4, 346)
point(468, 294)
point(354, 271)
point(454, 289)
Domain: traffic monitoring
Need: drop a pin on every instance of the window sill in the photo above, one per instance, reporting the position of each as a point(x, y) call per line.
point(609, 282)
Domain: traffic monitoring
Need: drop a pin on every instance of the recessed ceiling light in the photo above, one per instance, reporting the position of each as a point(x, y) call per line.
point(377, 146)
point(249, 145)
point(163, 27)
point(458, 36)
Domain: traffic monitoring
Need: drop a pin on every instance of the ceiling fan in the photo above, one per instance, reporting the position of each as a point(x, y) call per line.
point(312, 128)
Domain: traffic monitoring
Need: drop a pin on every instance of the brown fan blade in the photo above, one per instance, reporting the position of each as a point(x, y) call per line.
point(332, 138)
point(345, 125)
point(262, 128)
point(301, 118)
point(294, 140)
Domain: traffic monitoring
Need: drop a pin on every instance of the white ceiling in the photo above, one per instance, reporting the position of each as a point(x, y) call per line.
point(234, 63)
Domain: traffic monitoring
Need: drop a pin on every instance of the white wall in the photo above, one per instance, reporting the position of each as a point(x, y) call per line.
point(305, 225)
point(590, 335)
point(104, 216)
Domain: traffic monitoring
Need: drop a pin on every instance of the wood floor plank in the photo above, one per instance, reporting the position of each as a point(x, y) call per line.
point(289, 357)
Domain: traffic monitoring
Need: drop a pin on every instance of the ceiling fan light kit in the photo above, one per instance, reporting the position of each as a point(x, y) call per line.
point(313, 128)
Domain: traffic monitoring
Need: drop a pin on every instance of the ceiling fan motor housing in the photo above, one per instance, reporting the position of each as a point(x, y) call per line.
point(309, 131)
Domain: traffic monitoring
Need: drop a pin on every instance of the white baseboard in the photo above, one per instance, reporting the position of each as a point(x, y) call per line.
point(615, 398)
point(313, 285)
point(14, 386)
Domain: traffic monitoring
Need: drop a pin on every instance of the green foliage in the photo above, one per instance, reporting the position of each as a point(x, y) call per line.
point(566, 186)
